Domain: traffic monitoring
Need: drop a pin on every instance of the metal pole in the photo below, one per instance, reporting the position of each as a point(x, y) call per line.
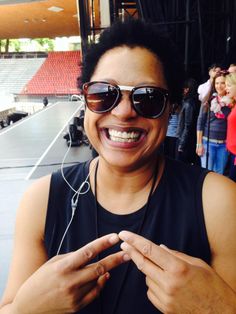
point(201, 39)
point(227, 28)
point(83, 14)
point(208, 134)
point(140, 8)
point(186, 52)
point(93, 19)
point(112, 11)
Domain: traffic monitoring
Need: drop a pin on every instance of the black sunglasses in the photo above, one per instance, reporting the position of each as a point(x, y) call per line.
point(147, 101)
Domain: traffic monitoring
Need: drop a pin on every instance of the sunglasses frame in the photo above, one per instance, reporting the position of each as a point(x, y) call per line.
point(131, 89)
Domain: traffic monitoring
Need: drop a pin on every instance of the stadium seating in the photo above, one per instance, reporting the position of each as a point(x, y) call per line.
point(57, 75)
point(15, 73)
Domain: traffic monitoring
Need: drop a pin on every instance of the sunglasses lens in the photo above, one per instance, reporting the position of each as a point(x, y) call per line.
point(100, 97)
point(149, 101)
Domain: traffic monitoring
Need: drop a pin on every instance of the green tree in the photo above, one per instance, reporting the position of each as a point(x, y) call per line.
point(46, 43)
point(4, 45)
point(15, 45)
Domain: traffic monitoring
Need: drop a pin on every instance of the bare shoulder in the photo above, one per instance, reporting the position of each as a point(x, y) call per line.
point(29, 251)
point(219, 204)
point(33, 205)
point(219, 199)
point(38, 191)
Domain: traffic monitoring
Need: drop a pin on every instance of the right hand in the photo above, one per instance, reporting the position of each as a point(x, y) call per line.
point(65, 284)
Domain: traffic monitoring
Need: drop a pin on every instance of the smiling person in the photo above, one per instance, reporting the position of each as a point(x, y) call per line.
point(212, 127)
point(66, 250)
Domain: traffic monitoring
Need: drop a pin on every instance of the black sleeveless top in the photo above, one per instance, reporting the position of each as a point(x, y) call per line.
point(175, 218)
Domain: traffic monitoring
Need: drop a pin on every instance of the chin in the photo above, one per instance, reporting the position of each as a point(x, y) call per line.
point(124, 161)
point(118, 159)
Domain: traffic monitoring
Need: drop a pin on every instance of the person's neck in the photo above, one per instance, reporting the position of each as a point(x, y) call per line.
point(119, 189)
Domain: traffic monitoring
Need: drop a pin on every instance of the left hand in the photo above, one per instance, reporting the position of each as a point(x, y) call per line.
point(178, 283)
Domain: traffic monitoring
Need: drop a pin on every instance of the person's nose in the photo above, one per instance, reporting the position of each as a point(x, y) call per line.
point(124, 110)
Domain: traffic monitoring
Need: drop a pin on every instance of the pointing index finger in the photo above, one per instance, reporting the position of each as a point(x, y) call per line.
point(82, 256)
point(148, 249)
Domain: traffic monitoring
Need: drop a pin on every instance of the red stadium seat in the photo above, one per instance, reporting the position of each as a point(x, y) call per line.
point(58, 74)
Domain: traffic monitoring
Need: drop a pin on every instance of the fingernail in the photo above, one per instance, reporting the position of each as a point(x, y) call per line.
point(126, 257)
point(124, 235)
point(124, 246)
point(107, 276)
point(113, 239)
point(163, 246)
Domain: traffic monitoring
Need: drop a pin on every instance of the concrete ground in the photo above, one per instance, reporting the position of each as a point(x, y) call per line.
point(29, 149)
point(10, 195)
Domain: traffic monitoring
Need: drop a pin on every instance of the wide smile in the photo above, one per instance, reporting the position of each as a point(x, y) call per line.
point(118, 136)
point(130, 137)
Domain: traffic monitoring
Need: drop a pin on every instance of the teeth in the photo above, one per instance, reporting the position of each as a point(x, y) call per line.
point(122, 140)
point(118, 136)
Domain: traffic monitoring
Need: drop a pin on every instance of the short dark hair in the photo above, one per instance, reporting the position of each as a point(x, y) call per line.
point(214, 65)
point(133, 33)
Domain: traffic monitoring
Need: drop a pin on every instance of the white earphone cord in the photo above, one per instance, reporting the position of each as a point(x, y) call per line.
point(74, 202)
point(75, 197)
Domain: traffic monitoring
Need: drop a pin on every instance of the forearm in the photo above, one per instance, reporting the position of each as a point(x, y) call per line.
point(199, 138)
point(199, 145)
point(202, 118)
point(205, 97)
point(227, 304)
point(8, 309)
point(205, 91)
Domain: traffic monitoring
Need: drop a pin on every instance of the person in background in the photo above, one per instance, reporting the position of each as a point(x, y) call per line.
point(212, 127)
point(232, 68)
point(67, 256)
point(170, 142)
point(231, 128)
point(45, 101)
point(186, 131)
point(205, 89)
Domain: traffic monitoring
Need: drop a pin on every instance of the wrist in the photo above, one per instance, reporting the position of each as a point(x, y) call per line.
point(198, 145)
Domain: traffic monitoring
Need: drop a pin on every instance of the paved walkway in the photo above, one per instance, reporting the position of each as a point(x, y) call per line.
point(31, 148)
point(10, 195)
